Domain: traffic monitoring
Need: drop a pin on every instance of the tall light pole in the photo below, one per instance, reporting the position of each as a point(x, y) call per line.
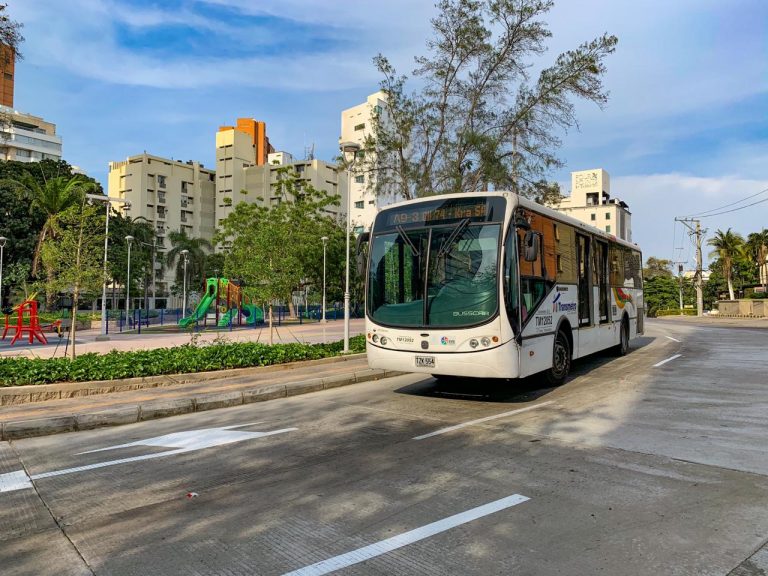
point(129, 240)
point(3, 240)
point(324, 239)
point(108, 201)
point(185, 254)
point(349, 150)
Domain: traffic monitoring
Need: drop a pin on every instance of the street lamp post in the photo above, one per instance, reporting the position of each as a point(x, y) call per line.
point(129, 240)
point(349, 150)
point(108, 201)
point(3, 240)
point(324, 239)
point(185, 254)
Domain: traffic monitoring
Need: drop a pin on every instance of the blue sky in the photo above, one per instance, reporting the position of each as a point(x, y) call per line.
point(685, 130)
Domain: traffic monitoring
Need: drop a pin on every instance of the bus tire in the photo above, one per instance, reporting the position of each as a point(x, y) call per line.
point(622, 348)
point(561, 360)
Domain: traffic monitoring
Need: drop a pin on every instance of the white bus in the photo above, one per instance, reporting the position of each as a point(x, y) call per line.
point(492, 285)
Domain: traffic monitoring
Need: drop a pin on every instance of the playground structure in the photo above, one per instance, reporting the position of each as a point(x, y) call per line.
point(33, 327)
point(230, 304)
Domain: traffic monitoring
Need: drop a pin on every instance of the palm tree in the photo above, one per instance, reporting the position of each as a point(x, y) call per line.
point(52, 198)
point(757, 250)
point(729, 247)
point(198, 249)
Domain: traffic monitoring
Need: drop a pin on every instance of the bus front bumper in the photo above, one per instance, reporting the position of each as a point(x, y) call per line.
point(499, 362)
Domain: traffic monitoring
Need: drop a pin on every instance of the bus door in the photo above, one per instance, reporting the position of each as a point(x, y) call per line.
point(585, 293)
point(601, 280)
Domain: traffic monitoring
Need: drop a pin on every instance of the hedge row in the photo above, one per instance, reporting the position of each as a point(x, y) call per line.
point(181, 359)
point(676, 312)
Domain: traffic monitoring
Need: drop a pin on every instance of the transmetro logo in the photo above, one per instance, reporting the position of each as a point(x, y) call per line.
point(558, 306)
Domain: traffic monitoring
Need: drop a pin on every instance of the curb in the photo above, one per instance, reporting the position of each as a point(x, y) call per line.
point(15, 395)
point(153, 409)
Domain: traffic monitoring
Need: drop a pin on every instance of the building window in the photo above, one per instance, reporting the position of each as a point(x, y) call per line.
point(360, 127)
point(160, 181)
point(592, 199)
point(608, 229)
point(371, 202)
point(161, 197)
point(607, 215)
point(593, 217)
point(557, 232)
point(559, 264)
point(360, 204)
point(8, 76)
point(360, 179)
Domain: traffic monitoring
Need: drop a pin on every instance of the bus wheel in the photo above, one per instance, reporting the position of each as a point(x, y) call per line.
point(561, 360)
point(622, 348)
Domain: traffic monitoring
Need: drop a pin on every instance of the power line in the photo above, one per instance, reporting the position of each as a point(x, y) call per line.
point(734, 209)
point(730, 204)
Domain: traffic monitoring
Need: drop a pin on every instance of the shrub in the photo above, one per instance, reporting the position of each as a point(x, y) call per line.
point(676, 312)
point(186, 358)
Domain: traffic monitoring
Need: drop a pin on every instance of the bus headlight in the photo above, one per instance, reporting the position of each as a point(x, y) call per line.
point(384, 340)
point(485, 341)
point(375, 338)
point(473, 343)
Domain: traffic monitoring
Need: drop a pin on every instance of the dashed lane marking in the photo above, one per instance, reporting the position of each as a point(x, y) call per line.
point(667, 360)
point(390, 544)
point(675, 339)
point(480, 420)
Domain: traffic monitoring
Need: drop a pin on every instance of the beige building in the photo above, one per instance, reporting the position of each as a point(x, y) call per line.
point(27, 138)
point(171, 194)
point(590, 201)
point(356, 126)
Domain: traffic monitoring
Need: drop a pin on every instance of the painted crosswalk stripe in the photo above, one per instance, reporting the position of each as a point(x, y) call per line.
point(667, 360)
point(390, 544)
point(481, 420)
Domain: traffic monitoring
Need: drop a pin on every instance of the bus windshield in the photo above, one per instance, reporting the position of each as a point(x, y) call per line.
point(454, 263)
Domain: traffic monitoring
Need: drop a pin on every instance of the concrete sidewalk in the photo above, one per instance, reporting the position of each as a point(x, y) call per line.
point(53, 408)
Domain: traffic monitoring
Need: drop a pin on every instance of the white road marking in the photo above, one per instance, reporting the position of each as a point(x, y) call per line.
point(670, 337)
point(183, 442)
point(384, 546)
point(667, 360)
point(17, 480)
point(480, 420)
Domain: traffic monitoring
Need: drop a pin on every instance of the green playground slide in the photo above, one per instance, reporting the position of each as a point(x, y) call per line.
point(205, 303)
point(251, 315)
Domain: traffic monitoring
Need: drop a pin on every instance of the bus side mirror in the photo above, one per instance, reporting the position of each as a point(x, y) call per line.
point(360, 251)
point(531, 243)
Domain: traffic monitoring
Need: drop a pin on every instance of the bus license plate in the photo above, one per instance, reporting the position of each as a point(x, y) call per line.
point(425, 361)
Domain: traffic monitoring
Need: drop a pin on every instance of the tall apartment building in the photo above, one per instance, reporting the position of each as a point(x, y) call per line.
point(356, 126)
point(590, 201)
point(171, 194)
point(27, 138)
point(262, 182)
point(7, 71)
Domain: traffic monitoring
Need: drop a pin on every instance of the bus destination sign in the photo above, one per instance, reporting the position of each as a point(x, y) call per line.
point(483, 209)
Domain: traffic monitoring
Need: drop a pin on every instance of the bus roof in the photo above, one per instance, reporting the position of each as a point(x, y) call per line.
point(518, 200)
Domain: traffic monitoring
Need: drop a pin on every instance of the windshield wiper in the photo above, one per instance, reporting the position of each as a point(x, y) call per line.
point(407, 240)
point(446, 245)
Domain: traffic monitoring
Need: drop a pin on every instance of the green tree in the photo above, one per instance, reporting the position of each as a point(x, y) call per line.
point(477, 121)
point(18, 223)
point(728, 248)
point(756, 248)
point(276, 249)
point(657, 267)
point(661, 293)
point(74, 257)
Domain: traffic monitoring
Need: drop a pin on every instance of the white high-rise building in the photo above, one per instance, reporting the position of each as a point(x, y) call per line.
point(356, 125)
point(590, 201)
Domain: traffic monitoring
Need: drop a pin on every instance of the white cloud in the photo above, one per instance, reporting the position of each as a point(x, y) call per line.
point(655, 200)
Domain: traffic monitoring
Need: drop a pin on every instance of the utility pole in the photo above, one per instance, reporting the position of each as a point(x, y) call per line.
point(695, 229)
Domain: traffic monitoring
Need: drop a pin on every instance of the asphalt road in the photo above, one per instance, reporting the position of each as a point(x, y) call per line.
point(632, 467)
